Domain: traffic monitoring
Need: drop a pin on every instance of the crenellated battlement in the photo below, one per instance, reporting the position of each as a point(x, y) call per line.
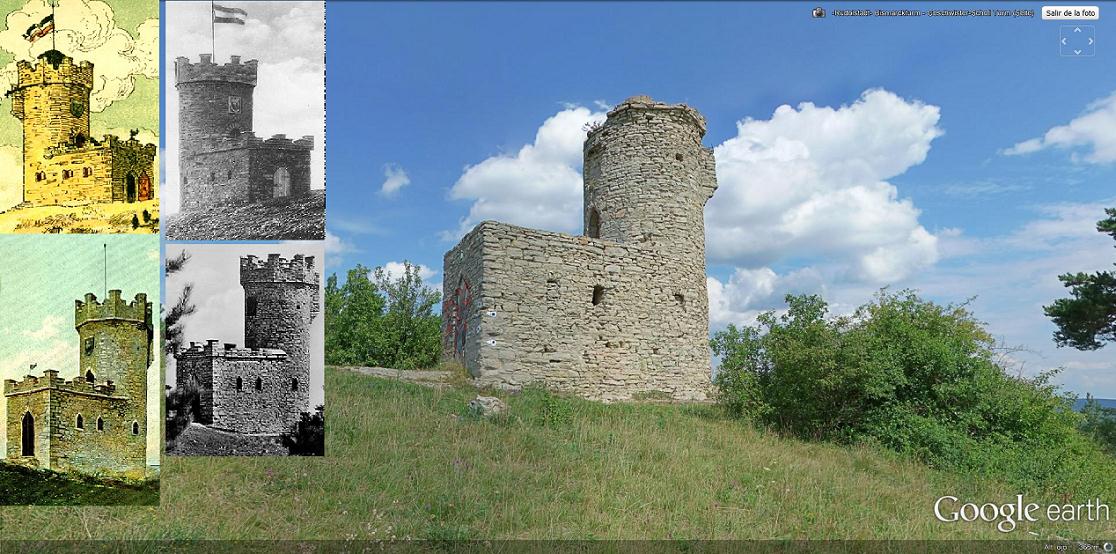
point(108, 142)
point(218, 143)
point(50, 380)
point(115, 307)
point(54, 67)
point(299, 269)
point(206, 70)
point(212, 349)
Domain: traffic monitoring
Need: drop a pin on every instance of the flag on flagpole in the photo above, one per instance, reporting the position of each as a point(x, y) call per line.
point(40, 29)
point(222, 14)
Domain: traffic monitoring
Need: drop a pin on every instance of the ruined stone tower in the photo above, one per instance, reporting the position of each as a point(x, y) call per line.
point(620, 312)
point(265, 386)
point(62, 162)
point(97, 422)
point(221, 161)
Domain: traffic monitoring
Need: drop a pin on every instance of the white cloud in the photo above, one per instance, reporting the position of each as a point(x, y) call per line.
point(86, 31)
point(430, 277)
point(336, 248)
point(811, 183)
point(1096, 128)
point(395, 178)
point(395, 270)
point(50, 328)
point(540, 186)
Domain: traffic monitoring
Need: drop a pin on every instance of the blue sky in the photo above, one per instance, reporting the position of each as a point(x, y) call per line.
point(959, 156)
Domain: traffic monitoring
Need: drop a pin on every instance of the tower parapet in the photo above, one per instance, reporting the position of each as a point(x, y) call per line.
point(647, 177)
point(115, 307)
point(52, 68)
point(299, 269)
point(212, 349)
point(206, 70)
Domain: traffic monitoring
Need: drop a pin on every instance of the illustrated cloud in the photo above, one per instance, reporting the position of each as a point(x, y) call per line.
point(86, 31)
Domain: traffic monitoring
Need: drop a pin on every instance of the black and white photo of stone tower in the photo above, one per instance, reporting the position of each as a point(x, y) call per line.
point(618, 312)
point(95, 422)
point(221, 161)
point(264, 387)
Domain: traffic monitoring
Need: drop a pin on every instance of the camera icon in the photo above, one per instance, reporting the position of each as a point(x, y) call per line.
point(818, 13)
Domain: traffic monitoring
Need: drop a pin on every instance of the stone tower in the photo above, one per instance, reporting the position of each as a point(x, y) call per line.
point(52, 101)
point(214, 100)
point(618, 313)
point(647, 178)
point(280, 302)
point(115, 341)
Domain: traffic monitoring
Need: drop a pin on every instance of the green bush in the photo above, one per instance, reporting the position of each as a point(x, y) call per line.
point(375, 320)
point(911, 376)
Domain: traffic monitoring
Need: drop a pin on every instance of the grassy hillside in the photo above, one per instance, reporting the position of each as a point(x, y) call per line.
point(300, 218)
point(403, 460)
point(199, 440)
point(20, 486)
point(92, 218)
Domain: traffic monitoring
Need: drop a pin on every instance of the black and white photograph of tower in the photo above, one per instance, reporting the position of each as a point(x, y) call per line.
point(245, 121)
point(244, 349)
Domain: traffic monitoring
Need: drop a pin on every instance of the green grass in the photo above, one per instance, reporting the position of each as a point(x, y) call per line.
point(22, 486)
point(408, 461)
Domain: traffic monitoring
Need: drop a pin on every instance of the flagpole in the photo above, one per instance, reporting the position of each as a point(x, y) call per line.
point(212, 32)
point(54, 26)
point(106, 271)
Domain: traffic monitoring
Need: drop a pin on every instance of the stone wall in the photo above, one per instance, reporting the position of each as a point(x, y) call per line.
point(280, 152)
point(110, 440)
point(215, 179)
point(204, 90)
point(87, 178)
point(281, 302)
point(597, 318)
point(619, 313)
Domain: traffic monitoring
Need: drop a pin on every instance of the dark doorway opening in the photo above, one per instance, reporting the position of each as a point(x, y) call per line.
point(28, 435)
point(130, 188)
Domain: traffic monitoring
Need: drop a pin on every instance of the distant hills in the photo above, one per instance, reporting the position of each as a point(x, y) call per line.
point(1104, 402)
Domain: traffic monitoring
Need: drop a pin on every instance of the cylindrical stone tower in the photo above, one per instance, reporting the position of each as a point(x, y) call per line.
point(115, 340)
point(280, 303)
point(647, 177)
point(213, 100)
point(52, 100)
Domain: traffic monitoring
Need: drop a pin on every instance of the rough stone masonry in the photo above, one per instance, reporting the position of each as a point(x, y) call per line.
point(264, 387)
point(618, 313)
point(95, 423)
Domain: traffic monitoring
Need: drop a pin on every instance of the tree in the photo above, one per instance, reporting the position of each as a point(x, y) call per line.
point(184, 402)
point(380, 320)
point(307, 437)
point(1087, 320)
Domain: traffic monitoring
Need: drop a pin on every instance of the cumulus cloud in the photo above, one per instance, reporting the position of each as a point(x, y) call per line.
point(86, 30)
point(336, 248)
point(810, 183)
point(539, 186)
point(749, 292)
point(50, 328)
point(395, 178)
point(428, 275)
point(1095, 129)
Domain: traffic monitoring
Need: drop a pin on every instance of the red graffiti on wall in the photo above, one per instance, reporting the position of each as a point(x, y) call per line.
point(456, 309)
